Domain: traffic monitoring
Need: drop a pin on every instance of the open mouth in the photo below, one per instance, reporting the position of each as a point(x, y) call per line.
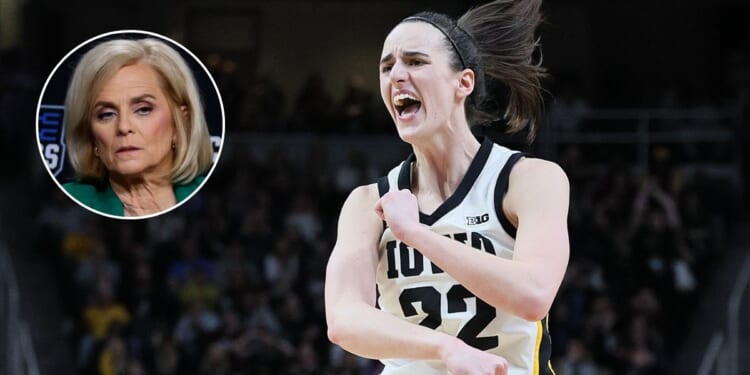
point(406, 104)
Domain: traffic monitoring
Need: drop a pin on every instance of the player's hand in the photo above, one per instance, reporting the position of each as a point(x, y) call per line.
point(462, 359)
point(399, 210)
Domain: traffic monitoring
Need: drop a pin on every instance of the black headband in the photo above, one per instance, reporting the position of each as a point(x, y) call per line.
point(445, 32)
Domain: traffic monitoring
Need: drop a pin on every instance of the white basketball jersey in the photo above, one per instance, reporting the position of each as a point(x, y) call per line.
point(413, 289)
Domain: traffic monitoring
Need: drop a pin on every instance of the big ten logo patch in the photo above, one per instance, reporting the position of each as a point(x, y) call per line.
point(474, 220)
point(52, 136)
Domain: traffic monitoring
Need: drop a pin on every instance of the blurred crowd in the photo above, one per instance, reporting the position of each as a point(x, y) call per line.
point(642, 247)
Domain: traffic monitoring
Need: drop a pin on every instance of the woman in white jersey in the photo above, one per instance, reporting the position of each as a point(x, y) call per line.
point(450, 263)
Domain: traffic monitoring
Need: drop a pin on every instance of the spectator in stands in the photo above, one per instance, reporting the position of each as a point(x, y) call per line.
point(113, 359)
point(303, 218)
point(102, 316)
point(577, 360)
point(97, 269)
point(215, 361)
point(196, 328)
point(281, 267)
point(167, 357)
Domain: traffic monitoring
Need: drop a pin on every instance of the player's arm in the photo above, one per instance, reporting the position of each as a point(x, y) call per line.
point(353, 321)
point(537, 201)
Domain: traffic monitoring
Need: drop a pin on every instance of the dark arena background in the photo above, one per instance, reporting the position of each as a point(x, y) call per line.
point(647, 110)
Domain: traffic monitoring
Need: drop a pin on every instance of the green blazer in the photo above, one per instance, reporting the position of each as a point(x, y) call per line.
point(104, 199)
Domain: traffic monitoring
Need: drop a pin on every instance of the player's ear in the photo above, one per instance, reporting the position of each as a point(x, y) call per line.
point(465, 83)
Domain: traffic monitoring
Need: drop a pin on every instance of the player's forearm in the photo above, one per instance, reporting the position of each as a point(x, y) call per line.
point(372, 333)
point(518, 287)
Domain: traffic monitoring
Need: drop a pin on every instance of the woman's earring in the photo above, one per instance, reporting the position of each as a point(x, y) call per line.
point(96, 151)
point(174, 146)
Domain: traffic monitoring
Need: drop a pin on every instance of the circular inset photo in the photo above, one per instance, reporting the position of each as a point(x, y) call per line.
point(130, 124)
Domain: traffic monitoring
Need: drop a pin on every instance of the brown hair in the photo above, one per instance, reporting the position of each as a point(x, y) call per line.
point(496, 40)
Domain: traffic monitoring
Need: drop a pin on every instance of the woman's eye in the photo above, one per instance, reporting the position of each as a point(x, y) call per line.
point(143, 110)
point(104, 116)
point(416, 63)
point(385, 69)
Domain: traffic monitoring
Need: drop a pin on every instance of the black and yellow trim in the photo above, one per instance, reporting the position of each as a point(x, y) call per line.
point(543, 349)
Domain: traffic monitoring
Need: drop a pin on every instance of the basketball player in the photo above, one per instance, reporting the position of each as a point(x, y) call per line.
point(450, 263)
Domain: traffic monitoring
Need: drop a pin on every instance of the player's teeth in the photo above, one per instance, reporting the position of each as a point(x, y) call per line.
point(398, 99)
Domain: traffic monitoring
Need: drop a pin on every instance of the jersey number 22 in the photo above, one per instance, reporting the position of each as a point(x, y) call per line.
point(431, 301)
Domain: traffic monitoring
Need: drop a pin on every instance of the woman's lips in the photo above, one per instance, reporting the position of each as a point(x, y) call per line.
point(127, 149)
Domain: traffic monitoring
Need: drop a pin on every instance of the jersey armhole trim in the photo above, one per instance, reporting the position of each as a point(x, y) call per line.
point(383, 187)
point(501, 188)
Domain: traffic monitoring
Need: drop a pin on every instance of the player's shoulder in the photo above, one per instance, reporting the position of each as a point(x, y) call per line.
point(358, 213)
point(363, 194)
point(530, 170)
point(365, 190)
point(536, 185)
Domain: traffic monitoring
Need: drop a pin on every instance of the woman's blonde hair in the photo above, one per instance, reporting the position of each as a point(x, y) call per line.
point(192, 153)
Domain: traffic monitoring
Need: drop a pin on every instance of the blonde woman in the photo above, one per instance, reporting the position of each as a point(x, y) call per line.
point(136, 133)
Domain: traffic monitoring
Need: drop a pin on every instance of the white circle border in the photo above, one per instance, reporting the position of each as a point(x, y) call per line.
point(159, 36)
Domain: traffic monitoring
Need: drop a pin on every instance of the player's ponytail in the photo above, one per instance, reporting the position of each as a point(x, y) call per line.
point(504, 33)
point(497, 41)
